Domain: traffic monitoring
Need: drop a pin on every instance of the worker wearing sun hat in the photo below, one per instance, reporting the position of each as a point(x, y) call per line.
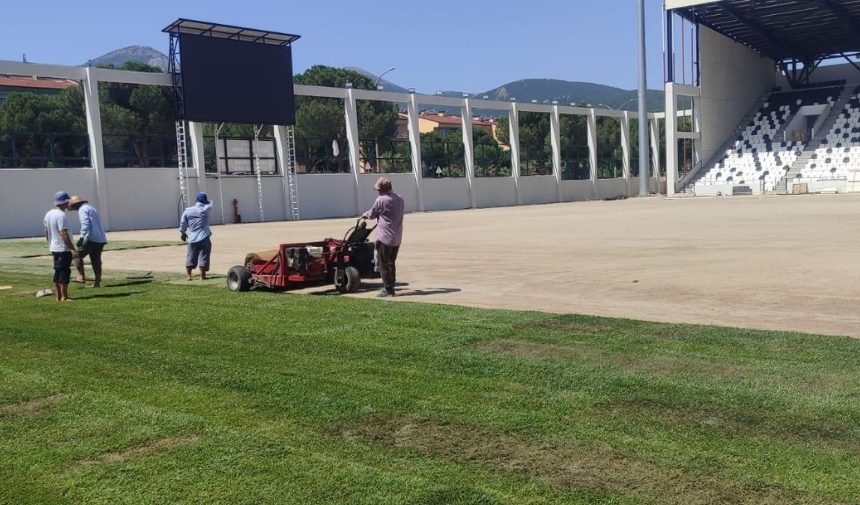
point(92, 240)
point(388, 212)
point(194, 228)
point(60, 244)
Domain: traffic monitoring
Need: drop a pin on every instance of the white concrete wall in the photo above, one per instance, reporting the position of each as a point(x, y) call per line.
point(826, 186)
point(572, 191)
point(324, 196)
point(142, 198)
point(495, 191)
point(536, 189)
point(26, 195)
point(446, 194)
point(701, 189)
point(611, 188)
point(402, 184)
point(852, 185)
point(245, 190)
point(732, 78)
point(148, 198)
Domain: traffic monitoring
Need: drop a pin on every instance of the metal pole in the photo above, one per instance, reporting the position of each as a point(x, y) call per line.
point(683, 54)
point(643, 111)
point(218, 128)
point(376, 84)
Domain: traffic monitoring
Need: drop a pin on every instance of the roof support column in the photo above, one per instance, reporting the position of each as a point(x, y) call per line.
point(655, 153)
point(671, 109)
point(555, 141)
point(468, 145)
point(625, 152)
point(351, 113)
point(97, 153)
point(592, 150)
point(415, 144)
point(514, 136)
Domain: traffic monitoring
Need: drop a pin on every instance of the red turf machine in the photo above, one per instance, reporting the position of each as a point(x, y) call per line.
point(340, 262)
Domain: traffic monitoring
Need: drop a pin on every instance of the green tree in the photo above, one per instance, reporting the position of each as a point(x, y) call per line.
point(491, 159)
point(535, 142)
point(446, 152)
point(38, 130)
point(609, 153)
point(503, 130)
point(634, 147)
point(320, 121)
point(575, 162)
point(142, 117)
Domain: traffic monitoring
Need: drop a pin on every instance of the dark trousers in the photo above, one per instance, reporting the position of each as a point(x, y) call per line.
point(94, 251)
point(62, 267)
point(387, 256)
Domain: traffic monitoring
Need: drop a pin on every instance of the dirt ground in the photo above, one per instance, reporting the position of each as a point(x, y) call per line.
point(773, 262)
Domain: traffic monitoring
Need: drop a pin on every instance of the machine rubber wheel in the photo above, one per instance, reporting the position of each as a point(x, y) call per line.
point(347, 280)
point(238, 279)
point(353, 279)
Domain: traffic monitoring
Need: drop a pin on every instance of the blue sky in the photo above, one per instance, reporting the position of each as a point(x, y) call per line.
point(462, 45)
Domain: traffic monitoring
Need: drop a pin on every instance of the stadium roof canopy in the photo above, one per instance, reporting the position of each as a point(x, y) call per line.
point(806, 31)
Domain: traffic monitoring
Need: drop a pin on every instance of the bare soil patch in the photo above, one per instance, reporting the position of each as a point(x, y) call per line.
point(598, 469)
point(772, 262)
point(140, 451)
point(30, 408)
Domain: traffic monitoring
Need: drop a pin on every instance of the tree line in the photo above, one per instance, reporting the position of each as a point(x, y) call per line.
point(38, 130)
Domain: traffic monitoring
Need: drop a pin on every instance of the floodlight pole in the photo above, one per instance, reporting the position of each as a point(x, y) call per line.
point(643, 111)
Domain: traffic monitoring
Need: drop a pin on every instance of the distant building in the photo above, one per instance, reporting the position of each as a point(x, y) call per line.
point(26, 84)
point(442, 122)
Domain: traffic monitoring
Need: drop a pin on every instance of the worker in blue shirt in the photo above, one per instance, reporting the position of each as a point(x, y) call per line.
point(194, 229)
point(92, 240)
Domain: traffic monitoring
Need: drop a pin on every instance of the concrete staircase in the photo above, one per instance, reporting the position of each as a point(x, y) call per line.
point(689, 180)
point(815, 142)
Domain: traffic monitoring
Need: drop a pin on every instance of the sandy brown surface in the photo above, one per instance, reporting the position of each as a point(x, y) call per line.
point(775, 262)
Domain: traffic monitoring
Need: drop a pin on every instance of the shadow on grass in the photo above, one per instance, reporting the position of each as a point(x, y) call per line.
point(366, 287)
point(427, 292)
point(126, 283)
point(110, 295)
point(410, 292)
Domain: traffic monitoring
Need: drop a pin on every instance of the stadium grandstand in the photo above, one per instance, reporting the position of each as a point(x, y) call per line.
point(770, 90)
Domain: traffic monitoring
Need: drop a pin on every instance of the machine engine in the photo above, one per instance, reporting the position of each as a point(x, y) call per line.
point(307, 261)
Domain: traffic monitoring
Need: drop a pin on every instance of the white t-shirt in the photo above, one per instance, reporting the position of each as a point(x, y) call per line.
point(55, 222)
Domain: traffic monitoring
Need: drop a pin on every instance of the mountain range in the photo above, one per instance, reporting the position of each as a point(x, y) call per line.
point(138, 54)
point(549, 90)
point(523, 90)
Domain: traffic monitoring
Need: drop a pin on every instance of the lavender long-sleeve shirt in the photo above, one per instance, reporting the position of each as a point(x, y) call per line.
point(388, 211)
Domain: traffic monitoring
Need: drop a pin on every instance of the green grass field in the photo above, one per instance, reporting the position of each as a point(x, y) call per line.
point(31, 255)
point(167, 392)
